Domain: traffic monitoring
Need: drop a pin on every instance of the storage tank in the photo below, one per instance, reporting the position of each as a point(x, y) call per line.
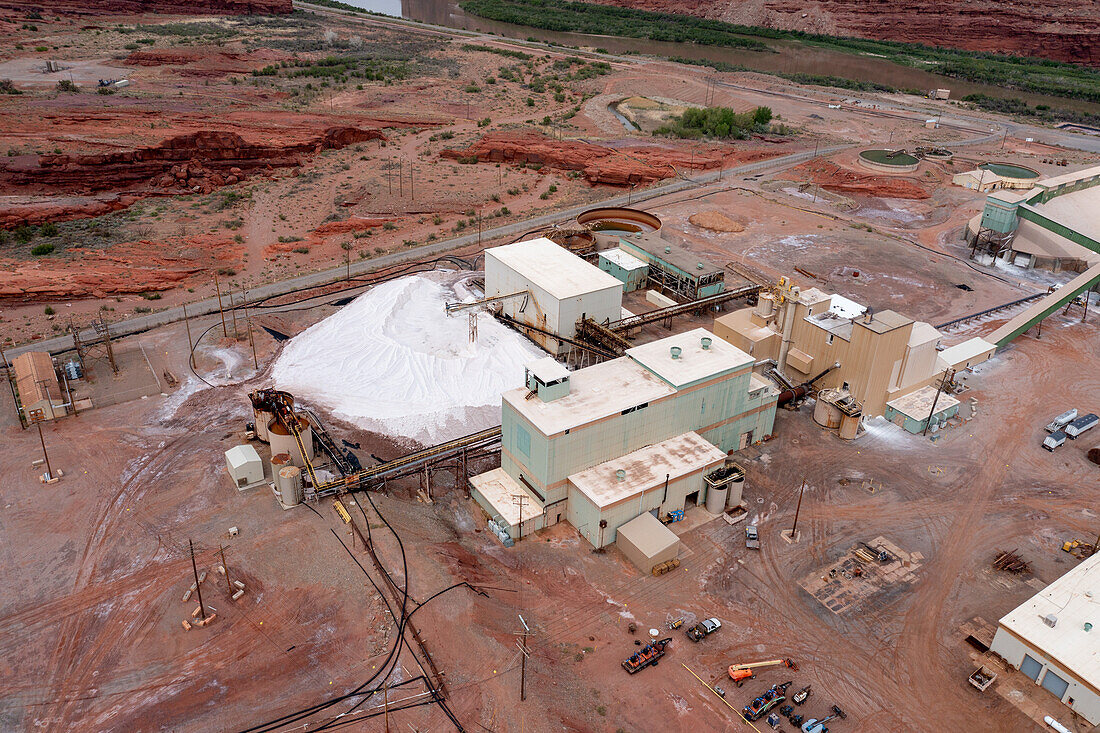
point(716, 499)
point(283, 442)
point(765, 305)
point(261, 419)
point(826, 413)
point(289, 483)
point(278, 460)
point(736, 488)
point(849, 425)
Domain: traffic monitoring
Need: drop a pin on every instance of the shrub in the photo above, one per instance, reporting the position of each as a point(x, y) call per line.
point(151, 296)
point(48, 229)
point(301, 250)
point(49, 311)
point(484, 122)
point(389, 226)
point(472, 89)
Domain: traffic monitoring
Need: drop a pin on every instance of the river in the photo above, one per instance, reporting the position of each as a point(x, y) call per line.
point(791, 56)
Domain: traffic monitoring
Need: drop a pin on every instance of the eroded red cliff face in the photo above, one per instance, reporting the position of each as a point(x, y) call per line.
point(1065, 30)
point(98, 7)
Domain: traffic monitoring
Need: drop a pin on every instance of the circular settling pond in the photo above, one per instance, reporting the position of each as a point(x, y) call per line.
point(615, 220)
point(1008, 170)
point(891, 158)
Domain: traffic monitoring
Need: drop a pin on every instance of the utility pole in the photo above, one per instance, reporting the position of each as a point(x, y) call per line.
point(479, 227)
point(198, 585)
point(797, 509)
point(1004, 139)
point(519, 500)
point(225, 567)
point(386, 702)
point(218, 287)
point(947, 375)
point(524, 653)
point(37, 416)
point(412, 183)
point(190, 345)
point(233, 313)
point(251, 341)
point(401, 177)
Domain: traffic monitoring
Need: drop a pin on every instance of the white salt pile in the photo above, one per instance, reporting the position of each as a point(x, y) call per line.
point(392, 361)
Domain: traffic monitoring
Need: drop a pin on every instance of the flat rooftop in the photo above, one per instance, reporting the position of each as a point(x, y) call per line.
point(1070, 177)
point(677, 255)
point(623, 259)
point(884, 321)
point(553, 268)
point(500, 490)
point(1074, 599)
point(694, 363)
point(646, 469)
point(595, 392)
point(1079, 210)
point(917, 405)
point(547, 369)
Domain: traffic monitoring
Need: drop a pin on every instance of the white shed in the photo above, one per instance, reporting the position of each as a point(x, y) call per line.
point(553, 288)
point(244, 466)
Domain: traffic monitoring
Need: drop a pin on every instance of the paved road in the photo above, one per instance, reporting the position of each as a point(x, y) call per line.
point(508, 231)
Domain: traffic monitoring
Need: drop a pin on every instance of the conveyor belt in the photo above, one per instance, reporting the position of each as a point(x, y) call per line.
point(675, 310)
point(411, 460)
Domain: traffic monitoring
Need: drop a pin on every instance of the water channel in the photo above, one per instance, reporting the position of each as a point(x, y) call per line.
point(789, 56)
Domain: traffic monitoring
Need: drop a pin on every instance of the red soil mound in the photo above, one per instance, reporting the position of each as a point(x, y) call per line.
point(600, 164)
point(833, 177)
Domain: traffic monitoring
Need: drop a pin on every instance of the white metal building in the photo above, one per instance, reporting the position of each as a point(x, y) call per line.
point(244, 466)
point(1052, 638)
point(556, 288)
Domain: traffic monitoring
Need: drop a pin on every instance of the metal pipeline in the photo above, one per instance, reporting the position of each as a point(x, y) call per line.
point(797, 393)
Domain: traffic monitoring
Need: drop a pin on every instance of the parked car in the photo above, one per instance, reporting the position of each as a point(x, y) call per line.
point(752, 537)
point(704, 628)
point(1081, 424)
point(1054, 440)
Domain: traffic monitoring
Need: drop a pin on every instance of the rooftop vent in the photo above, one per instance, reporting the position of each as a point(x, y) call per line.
point(699, 266)
point(668, 250)
point(620, 475)
point(1088, 626)
point(705, 342)
point(675, 351)
point(1050, 620)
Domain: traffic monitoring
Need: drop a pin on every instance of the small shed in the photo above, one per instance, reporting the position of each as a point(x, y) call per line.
point(244, 466)
point(646, 542)
point(625, 267)
point(914, 411)
point(36, 381)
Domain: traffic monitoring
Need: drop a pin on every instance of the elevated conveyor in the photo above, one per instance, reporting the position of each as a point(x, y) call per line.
point(1043, 308)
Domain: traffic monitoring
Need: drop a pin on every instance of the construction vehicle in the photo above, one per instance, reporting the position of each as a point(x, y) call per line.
point(739, 673)
point(758, 708)
point(646, 656)
point(1078, 549)
point(800, 697)
point(704, 628)
point(813, 725)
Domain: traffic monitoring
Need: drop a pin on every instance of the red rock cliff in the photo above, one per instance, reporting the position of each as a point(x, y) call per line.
point(120, 7)
point(1065, 30)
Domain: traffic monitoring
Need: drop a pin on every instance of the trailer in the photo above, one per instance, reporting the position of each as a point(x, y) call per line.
point(1062, 420)
point(1081, 424)
point(646, 656)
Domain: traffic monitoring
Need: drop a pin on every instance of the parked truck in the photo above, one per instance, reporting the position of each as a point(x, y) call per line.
point(1054, 440)
point(1062, 421)
point(752, 537)
point(1081, 424)
point(704, 628)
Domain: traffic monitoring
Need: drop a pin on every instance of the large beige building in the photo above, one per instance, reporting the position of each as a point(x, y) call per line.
point(36, 382)
point(599, 446)
point(879, 355)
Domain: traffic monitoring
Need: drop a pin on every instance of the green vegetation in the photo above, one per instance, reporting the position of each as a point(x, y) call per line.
point(1042, 112)
point(7, 87)
point(339, 68)
point(717, 122)
point(563, 15)
point(67, 85)
point(39, 250)
point(1013, 72)
point(499, 51)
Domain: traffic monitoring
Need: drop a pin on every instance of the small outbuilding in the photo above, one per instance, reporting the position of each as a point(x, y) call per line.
point(646, 542)
point(917, 409)
point(244, 466)
point(36, 381)
point(626, 268)
point(978, 180)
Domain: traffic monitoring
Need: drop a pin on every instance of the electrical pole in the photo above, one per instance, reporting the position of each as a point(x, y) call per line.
point(218, 287)
point(797, 509)
point(947, 375)
point(386, 702)
point(523, 661)
point(190, 345)
point(233, 313)
point(198, 585)
point(519, 500)
point(225, 567)
point(38, 416)
point(251, 341)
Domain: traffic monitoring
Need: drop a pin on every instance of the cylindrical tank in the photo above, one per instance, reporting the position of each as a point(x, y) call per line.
point(765, 305)
point(261, 418)
point(283, 442)
point(849, 426)
point(826, 413)
point(278, 460)
point(736, 488)
point(289, 484)
point(716, 499)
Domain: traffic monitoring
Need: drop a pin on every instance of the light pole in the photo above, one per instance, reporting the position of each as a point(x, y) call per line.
point(38, 416)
